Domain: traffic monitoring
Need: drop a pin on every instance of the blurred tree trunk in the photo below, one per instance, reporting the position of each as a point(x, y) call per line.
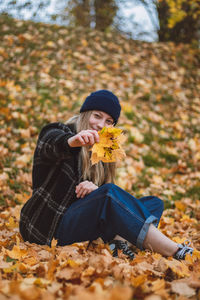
point(81, 12)
point(105, 11)
point(184, 31)
point(102, 12)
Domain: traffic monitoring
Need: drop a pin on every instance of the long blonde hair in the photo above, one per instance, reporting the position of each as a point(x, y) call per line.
point(99, 173)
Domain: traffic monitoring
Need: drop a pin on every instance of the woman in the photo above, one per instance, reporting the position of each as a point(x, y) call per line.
point(73, 201)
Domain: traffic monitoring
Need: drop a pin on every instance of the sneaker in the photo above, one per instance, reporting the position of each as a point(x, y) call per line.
point(183, 250)
point(121, 245)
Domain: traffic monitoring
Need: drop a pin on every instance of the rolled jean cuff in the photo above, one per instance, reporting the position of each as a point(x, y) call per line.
point(144, 230)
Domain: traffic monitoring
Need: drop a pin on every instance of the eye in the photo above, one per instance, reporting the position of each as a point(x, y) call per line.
point(109, 122)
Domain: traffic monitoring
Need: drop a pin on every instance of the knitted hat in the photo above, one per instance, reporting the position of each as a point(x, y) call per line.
point(103, 100)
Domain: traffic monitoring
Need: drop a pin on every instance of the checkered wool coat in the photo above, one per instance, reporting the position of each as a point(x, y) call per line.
point(56, 172)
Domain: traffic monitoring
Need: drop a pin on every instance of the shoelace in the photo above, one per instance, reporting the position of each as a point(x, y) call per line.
point(120, 245)
point(183, 250)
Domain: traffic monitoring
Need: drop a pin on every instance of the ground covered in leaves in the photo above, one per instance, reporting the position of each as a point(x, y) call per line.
point(46, 73)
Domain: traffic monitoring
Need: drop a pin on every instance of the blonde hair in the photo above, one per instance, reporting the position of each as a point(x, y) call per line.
point(99, 173)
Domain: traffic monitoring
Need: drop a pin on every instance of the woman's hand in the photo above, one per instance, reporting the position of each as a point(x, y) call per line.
point(84, 138)
point(84, 188)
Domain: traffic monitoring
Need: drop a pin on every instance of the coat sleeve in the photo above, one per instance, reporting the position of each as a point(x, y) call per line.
point(53, 142)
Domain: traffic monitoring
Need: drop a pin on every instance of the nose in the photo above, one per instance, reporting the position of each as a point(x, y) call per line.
point(100, 124)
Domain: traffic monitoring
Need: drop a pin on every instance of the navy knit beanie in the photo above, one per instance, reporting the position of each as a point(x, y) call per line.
point(103, 100)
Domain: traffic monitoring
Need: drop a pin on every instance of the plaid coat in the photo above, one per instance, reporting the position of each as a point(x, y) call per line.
point(56, 172)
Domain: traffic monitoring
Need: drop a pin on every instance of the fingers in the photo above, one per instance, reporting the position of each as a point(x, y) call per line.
point(80, 140)
point(84, 188)
point(84, 138)
point(95, 135)
point(89, 136)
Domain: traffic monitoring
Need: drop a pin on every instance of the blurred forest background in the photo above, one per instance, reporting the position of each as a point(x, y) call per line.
point(52, 55)
point(161, 20)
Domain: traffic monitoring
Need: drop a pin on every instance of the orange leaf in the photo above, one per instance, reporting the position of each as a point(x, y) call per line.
point(16, 252)
point(139, 280)
point(180, 205)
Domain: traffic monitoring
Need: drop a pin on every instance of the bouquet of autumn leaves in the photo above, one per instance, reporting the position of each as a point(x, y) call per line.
point(109, 147)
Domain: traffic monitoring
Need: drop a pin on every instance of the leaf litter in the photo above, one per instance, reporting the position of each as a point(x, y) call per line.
point(46, 72)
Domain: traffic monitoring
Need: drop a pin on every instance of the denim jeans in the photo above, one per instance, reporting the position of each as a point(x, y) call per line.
point(106, 212)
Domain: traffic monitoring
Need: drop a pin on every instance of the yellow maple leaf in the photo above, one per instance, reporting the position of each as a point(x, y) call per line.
point(98, 149)
point(94, 158)
point(109, 147)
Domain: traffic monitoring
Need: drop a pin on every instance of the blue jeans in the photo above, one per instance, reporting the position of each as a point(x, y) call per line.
point(106, 212)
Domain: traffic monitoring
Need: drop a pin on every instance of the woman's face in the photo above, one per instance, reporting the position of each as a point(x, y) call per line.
point(99, 119)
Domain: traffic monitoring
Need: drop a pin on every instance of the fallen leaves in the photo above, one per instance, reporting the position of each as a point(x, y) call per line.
point(23, 160)
point(46, 73)
point(181, 288)
point(79, 272)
